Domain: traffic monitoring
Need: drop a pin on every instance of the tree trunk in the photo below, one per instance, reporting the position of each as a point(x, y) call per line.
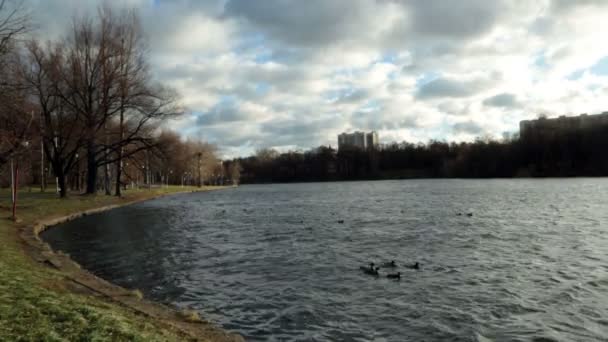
point(119, 161)
point(62, 184)
point(117, 193)
point(106, 181)
point(199, 169)
point(106, 168)
point(91, 169)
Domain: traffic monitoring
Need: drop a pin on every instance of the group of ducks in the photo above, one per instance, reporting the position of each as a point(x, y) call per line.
point(374, 270)
point(468, 214)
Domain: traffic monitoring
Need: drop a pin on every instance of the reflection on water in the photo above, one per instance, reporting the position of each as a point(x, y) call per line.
point(272, 262)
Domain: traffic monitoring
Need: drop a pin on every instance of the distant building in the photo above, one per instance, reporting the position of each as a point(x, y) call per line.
point(359, 140)
point(372, 139)
point(562, 124)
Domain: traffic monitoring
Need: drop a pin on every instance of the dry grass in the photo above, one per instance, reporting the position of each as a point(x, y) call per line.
point(191, 316)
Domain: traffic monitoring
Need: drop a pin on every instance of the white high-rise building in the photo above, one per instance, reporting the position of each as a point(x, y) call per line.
point(358, 139)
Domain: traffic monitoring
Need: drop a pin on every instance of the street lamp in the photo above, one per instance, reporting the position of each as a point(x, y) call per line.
point(77, 172)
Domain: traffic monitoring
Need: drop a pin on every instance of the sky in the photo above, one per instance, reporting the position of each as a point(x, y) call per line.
point(293, 74)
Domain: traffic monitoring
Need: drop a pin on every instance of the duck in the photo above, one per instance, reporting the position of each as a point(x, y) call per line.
point(394, 275)
point(470, 214)
point(340, 221)
point(373, 272)
point(415, 266)
point(389, 264)
point(371, 269)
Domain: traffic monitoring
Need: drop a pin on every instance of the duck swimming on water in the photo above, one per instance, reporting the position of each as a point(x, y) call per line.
point(371, 270)
point(394, 275)
point(415, 266)
point(389, 264)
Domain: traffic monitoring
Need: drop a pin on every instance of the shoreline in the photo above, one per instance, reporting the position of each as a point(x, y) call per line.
point(81, 281)
point(427, 179)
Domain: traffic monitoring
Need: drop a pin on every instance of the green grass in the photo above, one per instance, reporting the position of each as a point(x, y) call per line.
point(35, 304)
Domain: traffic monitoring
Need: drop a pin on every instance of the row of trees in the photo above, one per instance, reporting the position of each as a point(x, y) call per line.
point(573, 153)
point(14, 119)
point(89, 106)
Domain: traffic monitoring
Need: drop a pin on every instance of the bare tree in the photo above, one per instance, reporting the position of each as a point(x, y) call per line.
point(61, 131)
point(13, 22)
point(234, 171)
point(15, 118)
point(108, 83)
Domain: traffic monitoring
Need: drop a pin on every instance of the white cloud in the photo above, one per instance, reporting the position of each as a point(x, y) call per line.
point(290, 73)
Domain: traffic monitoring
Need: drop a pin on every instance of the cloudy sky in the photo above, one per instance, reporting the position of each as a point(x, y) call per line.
point(292, 74)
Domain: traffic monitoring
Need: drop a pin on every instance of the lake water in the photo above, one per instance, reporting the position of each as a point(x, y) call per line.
point(273, 262)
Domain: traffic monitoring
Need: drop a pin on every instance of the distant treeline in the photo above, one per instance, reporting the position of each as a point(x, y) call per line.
point(567, 154)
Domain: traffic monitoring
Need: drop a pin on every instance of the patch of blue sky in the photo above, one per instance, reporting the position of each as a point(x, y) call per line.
point(262, 88)
point(371, 105)
point(540, 61)
point(263, 57)
point(393, 75)
point(249, 42)
point(336, 94)
point(192, 130)
point(426, 78)
point(389, 57)
point(576, 75)
point(601, 67)
point(227, 100)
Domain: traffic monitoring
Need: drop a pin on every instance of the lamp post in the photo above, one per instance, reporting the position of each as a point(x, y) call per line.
point(55, 148)
point(144, 174)
point(77, 173)
point(42, 169)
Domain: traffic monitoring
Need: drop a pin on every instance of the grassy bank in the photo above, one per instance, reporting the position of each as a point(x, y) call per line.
point(36, 302)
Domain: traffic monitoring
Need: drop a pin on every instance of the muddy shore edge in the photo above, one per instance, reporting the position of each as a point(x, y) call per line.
point(81, 281)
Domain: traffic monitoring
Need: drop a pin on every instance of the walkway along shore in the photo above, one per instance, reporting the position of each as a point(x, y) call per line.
point(81, 281)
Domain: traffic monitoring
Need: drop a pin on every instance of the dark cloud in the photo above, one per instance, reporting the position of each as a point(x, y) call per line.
point(226, 135)
point(448, 19)
point(299, 132)
point(297, 126)
point(561, 6)
point(378, 120)
point(445, 87)
point(455, 108)
point(467, 127)
point(311, 22)
point(504, 100)
point(322, 22)
point(222, 113)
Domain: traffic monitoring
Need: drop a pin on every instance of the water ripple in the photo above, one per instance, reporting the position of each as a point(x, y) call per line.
point(281, 262)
